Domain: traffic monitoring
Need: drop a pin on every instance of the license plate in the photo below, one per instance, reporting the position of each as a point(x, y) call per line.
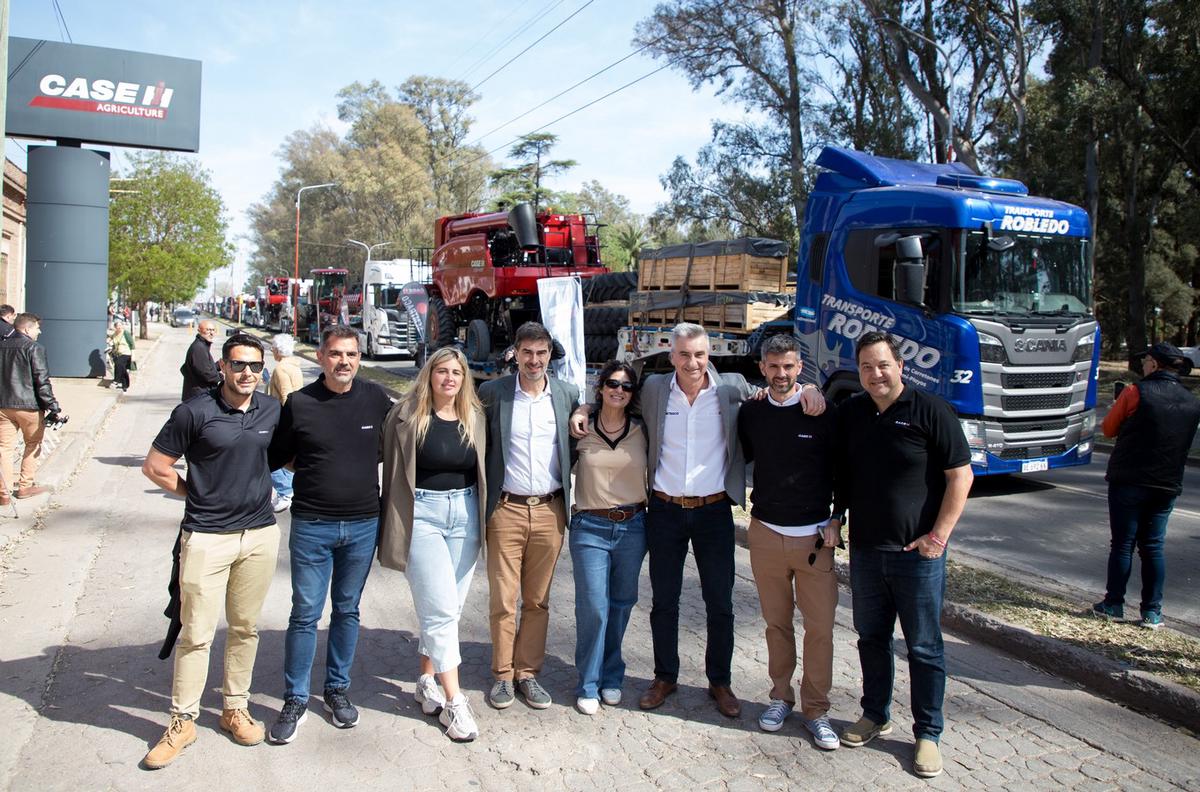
point(1034, 465)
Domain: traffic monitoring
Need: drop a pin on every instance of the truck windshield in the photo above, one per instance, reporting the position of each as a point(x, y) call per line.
point(1023, 274)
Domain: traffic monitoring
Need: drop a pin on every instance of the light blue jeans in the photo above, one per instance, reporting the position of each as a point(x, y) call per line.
point(282, 481)
point(441, 562)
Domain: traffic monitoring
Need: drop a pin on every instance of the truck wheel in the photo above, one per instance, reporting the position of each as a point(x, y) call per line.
point(370, 347)
point(609, 286)
point(603, 320)
point(479, 340)
point(439, 326)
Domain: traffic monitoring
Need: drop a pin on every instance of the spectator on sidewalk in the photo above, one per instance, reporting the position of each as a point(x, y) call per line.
point(7, 314)
point(904, 471)
point(1154, 422)
point(434, 471)
point(285, 378)
point(329, 432)
point(228, 540)
point(792, 536)
point(529, 487)
point(200, 373)
point(120, 348)
point(27, 403)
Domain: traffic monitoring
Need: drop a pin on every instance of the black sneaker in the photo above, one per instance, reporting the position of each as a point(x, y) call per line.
point(345, 714)
point(294, 711)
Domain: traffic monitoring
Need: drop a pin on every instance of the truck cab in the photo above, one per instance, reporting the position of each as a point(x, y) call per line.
point(385, 327)
point(988, 289)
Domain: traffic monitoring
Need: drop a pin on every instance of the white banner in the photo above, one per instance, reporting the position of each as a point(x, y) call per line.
point(562, 314)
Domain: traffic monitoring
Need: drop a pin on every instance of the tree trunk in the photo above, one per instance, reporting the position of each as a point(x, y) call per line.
point(1091, 177)
point(143, 325)
point(1135, 246)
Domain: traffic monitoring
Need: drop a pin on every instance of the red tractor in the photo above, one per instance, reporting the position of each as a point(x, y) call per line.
point(486, 268)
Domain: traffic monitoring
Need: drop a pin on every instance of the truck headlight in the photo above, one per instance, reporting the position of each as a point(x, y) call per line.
point(973, 431)
point(991, 350)
point(1083, 351)
point(1089, 424)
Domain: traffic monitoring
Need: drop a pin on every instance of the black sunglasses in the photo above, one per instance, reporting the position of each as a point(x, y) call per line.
point(820, 543)
point(239, 366)
point(624, 385)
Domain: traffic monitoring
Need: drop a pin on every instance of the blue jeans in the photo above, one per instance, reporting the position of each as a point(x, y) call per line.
point(327, 556)
point(1137, 515)
point(670, 528)
point(441, 562)
point(607, 558)
point(885, 585)
point(282, 481)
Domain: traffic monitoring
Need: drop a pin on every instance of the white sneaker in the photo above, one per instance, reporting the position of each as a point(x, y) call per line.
point(459, 720)
point(588, 706)
point(611, 696)
point(429, 695)
point(823, 734)
point(280, 503)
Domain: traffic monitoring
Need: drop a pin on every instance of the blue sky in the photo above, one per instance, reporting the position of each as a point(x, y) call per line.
point(270, 68)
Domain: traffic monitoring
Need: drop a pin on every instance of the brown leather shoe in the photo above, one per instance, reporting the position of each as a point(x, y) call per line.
point(727, 703)
point(29, 492)
point(179, 735)
point(241, 727)
point(656, 694)
point(5, 499)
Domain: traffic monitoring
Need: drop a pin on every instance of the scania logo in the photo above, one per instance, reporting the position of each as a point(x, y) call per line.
point(1040, 345)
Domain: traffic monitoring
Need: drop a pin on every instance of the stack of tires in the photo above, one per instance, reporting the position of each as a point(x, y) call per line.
point(606, 309)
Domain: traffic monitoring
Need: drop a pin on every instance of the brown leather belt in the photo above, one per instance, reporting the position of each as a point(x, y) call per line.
point(690, 501)
point(529, 500)
point(616, 513)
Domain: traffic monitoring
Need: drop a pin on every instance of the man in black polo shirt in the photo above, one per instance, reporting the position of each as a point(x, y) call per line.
point(904, 472)
point(330, 432)
point(228, 542)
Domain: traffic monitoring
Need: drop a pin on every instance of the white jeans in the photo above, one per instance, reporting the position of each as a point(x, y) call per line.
point(441, 562)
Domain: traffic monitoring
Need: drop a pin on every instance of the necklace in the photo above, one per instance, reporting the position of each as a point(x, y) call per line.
point(603, 428)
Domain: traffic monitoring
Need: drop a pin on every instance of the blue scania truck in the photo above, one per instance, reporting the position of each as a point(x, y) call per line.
point(988, 288)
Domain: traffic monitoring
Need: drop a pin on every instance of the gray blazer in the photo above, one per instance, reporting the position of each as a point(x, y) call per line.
point(732, 390)
point(497, 397)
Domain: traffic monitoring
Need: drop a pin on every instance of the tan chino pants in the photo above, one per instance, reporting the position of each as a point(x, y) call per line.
point(29, 424)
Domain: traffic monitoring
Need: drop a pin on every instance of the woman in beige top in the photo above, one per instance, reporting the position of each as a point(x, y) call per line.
point(608, 535)
point(285, 378)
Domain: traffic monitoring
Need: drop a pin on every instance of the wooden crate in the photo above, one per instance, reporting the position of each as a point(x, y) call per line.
point(740, 272)
point(731, 318)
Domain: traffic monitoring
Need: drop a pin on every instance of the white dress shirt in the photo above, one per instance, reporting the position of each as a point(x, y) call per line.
point(792, 530)
point(533, 467)
point(693, 456)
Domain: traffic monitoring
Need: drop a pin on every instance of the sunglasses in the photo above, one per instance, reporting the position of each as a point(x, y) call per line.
point(820, 543)
point(624, 385)
point(239, 366)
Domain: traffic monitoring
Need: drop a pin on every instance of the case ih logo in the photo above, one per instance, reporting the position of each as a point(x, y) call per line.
point(104, 96)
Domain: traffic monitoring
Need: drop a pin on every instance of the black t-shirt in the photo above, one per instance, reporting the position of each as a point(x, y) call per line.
point(228, 481)
point(891, 469)
point(444, 460)
point(335, 440)
point(793, 457)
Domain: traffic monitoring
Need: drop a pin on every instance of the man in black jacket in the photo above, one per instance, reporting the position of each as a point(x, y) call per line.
point(200, 373)
point(7, 314)
point(1154, 422)
point(26, 402)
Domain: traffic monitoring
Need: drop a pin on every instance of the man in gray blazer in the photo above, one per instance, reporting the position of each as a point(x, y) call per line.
point(696, 471)
point(528, 489)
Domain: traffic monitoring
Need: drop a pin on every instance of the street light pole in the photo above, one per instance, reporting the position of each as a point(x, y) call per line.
point(946, 77)
point(367, 247)
point(296, 269)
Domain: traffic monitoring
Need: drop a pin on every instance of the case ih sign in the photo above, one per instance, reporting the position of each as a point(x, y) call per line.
point(101, 95)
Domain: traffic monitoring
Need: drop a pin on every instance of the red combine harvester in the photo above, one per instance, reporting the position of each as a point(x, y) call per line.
point(485, 269)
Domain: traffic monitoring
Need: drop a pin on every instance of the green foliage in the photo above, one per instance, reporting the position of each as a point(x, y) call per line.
point(525, 180)
point(167, 232)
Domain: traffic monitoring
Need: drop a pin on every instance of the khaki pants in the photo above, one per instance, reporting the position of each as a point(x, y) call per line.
point(785, 578)
point(523, 543)
point(29, 424)
point(230, 569)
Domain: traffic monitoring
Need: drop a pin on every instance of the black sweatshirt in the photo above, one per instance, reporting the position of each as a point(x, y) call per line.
point(793, 457)
point(335, 439)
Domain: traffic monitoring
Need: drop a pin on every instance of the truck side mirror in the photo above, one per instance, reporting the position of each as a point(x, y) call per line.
point(909, 272)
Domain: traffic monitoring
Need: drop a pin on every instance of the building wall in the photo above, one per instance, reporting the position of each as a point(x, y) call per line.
point(12, 244)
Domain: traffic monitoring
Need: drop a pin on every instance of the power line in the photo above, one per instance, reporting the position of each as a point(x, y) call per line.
point(62, 20)
point(531, 46)
point(504, 40)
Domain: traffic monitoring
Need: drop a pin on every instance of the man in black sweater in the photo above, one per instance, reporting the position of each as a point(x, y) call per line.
point(330, 433)
point(200, 373)
point(792, 537)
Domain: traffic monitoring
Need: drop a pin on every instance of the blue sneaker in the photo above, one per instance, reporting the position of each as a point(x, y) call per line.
point(1151, 620)
point(1106, 611)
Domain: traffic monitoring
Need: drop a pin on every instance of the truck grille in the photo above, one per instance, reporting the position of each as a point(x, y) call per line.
point(1048, 379)
point(1052, 401)
point(1048, 425)
point(1033, 452)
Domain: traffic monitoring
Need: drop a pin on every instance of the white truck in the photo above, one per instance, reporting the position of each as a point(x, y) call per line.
point(383, 325)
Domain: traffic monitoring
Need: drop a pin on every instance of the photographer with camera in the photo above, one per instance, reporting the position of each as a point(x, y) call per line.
point(27, 404)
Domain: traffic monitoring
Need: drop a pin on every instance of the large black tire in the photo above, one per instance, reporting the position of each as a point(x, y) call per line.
point(609, 287)
point(599, 348)
point(602, 320)
point(439, 328)
point(479, 340)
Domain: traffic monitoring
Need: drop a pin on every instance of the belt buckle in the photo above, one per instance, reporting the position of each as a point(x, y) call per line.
point(620, 515)
point(691, 501)
point(534, 500)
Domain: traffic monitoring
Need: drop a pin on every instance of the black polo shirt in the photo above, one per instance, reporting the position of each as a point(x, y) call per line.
point(892, 465)
point(228, 481)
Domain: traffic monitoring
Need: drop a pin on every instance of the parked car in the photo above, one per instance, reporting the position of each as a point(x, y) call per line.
point(183, 317)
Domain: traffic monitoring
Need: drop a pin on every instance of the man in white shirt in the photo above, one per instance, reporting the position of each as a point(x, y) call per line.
point(529, 481)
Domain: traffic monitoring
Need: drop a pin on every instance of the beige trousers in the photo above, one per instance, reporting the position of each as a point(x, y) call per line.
point(785, 579)
point(230, 569)
point(523, 543)
point(29, 424)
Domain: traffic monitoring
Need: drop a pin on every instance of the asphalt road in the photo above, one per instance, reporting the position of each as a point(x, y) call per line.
point(1055, 525)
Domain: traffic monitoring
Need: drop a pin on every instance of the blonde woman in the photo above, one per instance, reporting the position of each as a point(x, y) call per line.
point(433, 472)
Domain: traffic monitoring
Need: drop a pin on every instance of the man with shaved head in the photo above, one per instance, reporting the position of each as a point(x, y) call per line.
point(200, 373)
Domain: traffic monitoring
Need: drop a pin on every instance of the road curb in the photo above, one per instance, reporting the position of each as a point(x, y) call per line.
point(1129, 687)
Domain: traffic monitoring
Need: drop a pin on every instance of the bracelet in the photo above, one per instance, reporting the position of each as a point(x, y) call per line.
point(936, 540)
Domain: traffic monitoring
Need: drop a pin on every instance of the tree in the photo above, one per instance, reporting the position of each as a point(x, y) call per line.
point(457, 171)
point(611, 213)
point(525, 180)
point(167, 233)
